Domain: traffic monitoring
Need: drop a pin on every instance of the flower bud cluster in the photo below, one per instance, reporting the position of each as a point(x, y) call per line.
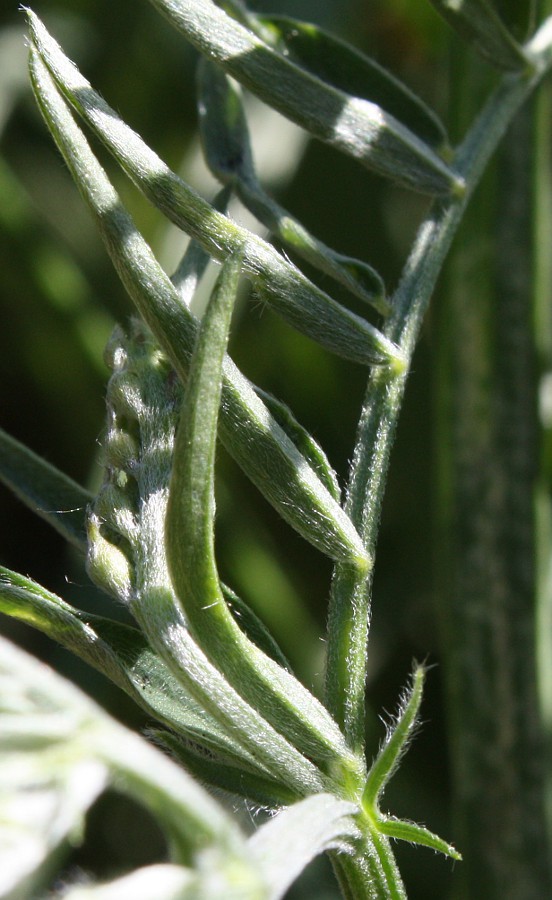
point(143, 400)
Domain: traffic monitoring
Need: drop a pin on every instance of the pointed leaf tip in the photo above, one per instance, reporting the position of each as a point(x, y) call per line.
point(396, 743)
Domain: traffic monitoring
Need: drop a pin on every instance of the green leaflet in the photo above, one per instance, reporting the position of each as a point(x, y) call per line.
point(353, 125)
point(254, 628)
point(396, 743)
point(160, 618)
point(478, 21)
point(122, 654)
point(383, 768)
point(402, 830)
point(249, 432)
point(295, 298)
point(44, 489)
point(305, 443)
point(186, 279)
point(339, 64)
point(227, 149)
point(189, 534)
point(218, 773)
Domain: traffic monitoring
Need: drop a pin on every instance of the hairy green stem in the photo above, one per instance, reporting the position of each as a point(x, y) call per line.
point(349, 615)
point(371, 872)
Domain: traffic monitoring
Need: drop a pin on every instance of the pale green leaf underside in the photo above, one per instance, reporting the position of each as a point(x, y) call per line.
point(162, 881)
point(49, 773)
point(59, 750)
point(285, 844)
point(276, 855)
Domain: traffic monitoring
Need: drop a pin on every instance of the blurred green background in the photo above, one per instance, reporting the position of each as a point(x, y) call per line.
point(59, 298)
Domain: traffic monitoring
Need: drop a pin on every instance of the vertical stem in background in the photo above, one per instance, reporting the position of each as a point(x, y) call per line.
point(488, 441)
point(542, 225)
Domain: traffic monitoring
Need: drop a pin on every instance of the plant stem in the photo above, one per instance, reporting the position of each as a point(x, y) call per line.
point(370, 873)
point(349, 615)
point(490, 527)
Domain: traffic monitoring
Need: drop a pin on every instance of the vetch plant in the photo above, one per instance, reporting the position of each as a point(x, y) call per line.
point(229, 709)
